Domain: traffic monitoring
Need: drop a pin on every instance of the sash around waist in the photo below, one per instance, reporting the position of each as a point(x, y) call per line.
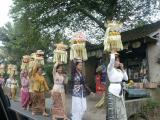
point(115, 82)
point(58, 86)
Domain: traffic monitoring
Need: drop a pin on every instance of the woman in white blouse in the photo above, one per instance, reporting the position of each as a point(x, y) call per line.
point(115, 104)
point(12, 86)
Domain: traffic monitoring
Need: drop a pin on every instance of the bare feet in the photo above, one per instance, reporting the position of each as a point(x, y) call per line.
point(45, 114)
point(33, 113)
point(28, 108)
point(53, 118)
point(66, 118)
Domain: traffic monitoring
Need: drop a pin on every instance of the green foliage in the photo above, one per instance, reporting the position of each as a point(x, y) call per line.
point(150, 105)
point(38, 24)
point(25, 38)
point(63, 13)
point(48, 70)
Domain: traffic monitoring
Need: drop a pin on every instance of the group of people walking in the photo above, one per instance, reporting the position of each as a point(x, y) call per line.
point(39, 87)
point(33, 88)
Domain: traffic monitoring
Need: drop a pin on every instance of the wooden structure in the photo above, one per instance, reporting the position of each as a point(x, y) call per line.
point(140, 55)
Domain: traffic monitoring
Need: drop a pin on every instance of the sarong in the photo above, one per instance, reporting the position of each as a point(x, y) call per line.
point(7, 91)
point(13, 93)
point(25, 97)
point(31, 99)
point(38, 102)
point(116, 108)
point(58, 110)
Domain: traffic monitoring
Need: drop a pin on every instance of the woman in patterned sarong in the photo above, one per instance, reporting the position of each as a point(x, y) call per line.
point(115, 104)
point(39, 87)
point(58, 92)
point(25, 97)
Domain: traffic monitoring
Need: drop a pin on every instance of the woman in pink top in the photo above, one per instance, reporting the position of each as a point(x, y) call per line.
point(58, 92)
point(25, 97)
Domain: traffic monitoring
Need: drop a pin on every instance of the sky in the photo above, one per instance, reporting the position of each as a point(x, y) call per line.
point(4, 12)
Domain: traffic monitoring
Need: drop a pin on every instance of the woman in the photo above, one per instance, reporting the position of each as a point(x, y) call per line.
point(58, 92)
point(116, 73)
point(25, 97)
point(8, 87)
point(12, 86)
point(39, 87)
point(1, 81)
point(79, 92)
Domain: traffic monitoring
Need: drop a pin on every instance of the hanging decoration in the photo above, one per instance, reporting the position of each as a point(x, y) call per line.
point(31, 62)
point(12, 70)
point(9, 69)
point(112, 38)
point(39, 57)
point(25, 62)
point(60, 53)
point(78, 49)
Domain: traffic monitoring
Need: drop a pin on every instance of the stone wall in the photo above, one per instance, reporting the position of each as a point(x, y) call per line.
point(142, 109)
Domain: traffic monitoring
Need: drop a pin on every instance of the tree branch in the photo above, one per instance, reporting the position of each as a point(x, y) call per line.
point(85, 12)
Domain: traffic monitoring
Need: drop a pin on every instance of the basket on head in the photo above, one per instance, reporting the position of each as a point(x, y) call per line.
point(112, 38)
point(60, 53)
point(78, 49)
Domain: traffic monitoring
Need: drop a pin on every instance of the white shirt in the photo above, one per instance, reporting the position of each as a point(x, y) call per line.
point(11, 83)
point(115, 75)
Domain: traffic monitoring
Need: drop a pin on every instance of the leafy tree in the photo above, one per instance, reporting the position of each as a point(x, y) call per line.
point(83, 14)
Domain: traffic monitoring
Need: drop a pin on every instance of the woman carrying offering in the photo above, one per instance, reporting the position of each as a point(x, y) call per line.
point(79, 91)
point(25, 96)
point(58, 92)
point(39, 87)
point(116, 105)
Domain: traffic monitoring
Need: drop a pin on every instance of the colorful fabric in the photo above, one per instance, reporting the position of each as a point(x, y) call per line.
point(58, 94)
point(100, 87)
point(30, 100)
point(58, 110)
point(116, 108)
point(25, 97)
point(39, 83)
point(59, 80)
point(79, 89)
point(13, 93)
point(38, 102)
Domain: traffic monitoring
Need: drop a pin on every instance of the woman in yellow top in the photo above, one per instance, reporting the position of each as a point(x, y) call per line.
point(39, 87)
